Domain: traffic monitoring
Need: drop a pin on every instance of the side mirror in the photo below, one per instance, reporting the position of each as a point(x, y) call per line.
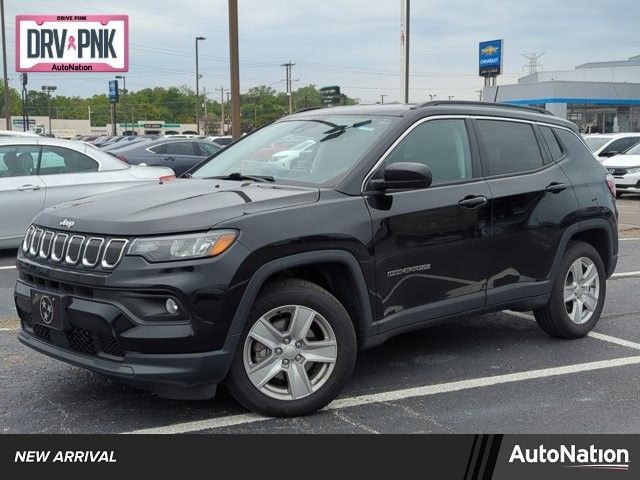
point(610, 153)
point(404, 176)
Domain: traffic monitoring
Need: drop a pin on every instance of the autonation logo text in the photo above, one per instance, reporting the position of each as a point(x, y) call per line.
point(574, 457)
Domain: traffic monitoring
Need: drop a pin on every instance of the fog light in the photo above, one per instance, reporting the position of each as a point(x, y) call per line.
point(171, 305)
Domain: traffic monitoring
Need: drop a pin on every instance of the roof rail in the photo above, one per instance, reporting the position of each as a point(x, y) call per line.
point(307, 109)
point(435, 103)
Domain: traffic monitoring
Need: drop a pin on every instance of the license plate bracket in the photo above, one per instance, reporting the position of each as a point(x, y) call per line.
point(49, 310)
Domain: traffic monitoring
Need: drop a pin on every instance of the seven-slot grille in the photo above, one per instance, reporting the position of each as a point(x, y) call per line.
point(73, 249)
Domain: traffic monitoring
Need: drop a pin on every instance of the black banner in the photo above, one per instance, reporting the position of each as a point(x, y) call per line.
point(466, 457)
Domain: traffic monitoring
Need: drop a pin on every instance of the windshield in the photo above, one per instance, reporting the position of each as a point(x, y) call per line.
point(594, 143)
point(321, 150)
point(635, 150)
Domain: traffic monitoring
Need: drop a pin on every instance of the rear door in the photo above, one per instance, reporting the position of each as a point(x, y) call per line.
point(432, 245)
point(22, 193)
point(181, 155)
point(69, 174)
point(533, 202)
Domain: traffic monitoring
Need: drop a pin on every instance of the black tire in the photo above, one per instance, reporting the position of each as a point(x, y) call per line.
point(553, 317)
point(310, 295)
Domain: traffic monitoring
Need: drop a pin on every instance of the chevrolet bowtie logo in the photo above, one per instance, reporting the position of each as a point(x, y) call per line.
point(67, 223)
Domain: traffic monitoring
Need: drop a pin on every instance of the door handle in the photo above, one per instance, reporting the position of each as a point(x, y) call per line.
point(556, 187)
point(28, 187)
point(169, 158)
point(473, 202)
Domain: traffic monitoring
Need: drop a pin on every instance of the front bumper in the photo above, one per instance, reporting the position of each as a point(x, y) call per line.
point(111, 324)
point(192, 376)
point(628, 183)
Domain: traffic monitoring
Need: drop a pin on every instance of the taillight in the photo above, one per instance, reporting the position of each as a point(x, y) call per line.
point(611, 183)
point(166, 178)
point(121, 158)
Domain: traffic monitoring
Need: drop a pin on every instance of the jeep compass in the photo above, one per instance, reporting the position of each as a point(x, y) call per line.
point(272, 276)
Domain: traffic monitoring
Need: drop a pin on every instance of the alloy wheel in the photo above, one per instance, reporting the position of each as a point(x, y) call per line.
point(290, 352)
point(581, 290)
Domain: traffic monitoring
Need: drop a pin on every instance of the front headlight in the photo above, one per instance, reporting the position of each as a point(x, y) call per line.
point(633, 170)
point(183, 247)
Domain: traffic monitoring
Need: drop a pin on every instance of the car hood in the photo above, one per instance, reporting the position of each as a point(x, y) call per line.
point(181, 205)
point(624, 161)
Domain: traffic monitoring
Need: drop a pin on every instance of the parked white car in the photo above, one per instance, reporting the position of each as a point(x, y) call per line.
point(17, 133)
point(625, 168)
point(285, 157)
point(610, 144)
point(38, 172)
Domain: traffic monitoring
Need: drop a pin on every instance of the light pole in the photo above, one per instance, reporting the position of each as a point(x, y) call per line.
point(198, 88)
point(234, 69)
point(48, 89)
point(124, 96)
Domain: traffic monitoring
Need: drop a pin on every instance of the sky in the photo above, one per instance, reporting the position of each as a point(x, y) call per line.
point(350, 43)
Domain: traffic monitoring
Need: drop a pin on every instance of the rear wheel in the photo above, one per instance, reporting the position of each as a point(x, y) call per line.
point(578, 294)
point(296, 352)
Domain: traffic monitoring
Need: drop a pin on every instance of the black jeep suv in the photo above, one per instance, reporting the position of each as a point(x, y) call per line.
point(321, 234)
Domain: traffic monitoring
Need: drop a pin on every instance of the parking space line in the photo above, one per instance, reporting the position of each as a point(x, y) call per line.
point(7, 267)
point(616, 340)
point(626, 274)
point(599, 336)
point(14, 329)
point(403, 394)
point(628, 239)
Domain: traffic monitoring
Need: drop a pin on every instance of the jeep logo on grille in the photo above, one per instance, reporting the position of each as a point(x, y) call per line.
point(67, 223)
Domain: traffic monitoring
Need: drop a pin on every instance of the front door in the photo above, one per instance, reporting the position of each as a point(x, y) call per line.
point(22, 193)
point(431, 245)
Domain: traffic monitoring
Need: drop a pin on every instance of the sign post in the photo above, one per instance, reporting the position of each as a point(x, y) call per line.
point(490, 60)
point(114, 96)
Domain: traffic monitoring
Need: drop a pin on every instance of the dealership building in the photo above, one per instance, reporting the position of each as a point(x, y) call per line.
point(599, 97)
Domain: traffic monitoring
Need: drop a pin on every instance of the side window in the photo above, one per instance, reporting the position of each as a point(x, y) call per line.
point(208, 148)
point(574, 147)
point(442, 145)
point(58, 160)
point(621, 144)
point(509, 147)
point(180, 148)
point(159, 149)
point(552, 142)
point(18, 160)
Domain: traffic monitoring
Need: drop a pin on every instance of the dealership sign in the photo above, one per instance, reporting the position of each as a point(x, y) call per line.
point(490, 58)
point(72, 43)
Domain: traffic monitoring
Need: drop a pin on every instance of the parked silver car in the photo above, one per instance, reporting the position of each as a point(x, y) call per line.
point(38, 172)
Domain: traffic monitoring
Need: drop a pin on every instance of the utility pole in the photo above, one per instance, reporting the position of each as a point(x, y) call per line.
point(532, 64)
point(90, 131)
point(288, 66)
point(222, 113)
point(404, 50)
point(234, 66)
point(382, 97)
point(204, 101)
point(450, 97)
point(198, 88)
point(7, 97)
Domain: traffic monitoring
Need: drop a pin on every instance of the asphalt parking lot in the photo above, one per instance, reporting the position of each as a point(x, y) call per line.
point(494, 373)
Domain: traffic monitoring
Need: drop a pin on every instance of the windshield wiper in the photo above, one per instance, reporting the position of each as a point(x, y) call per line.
point(241, 176)
point(340, 129)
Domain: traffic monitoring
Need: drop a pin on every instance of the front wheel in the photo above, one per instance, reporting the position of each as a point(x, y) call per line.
point(295, 353)
point(578, 294)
